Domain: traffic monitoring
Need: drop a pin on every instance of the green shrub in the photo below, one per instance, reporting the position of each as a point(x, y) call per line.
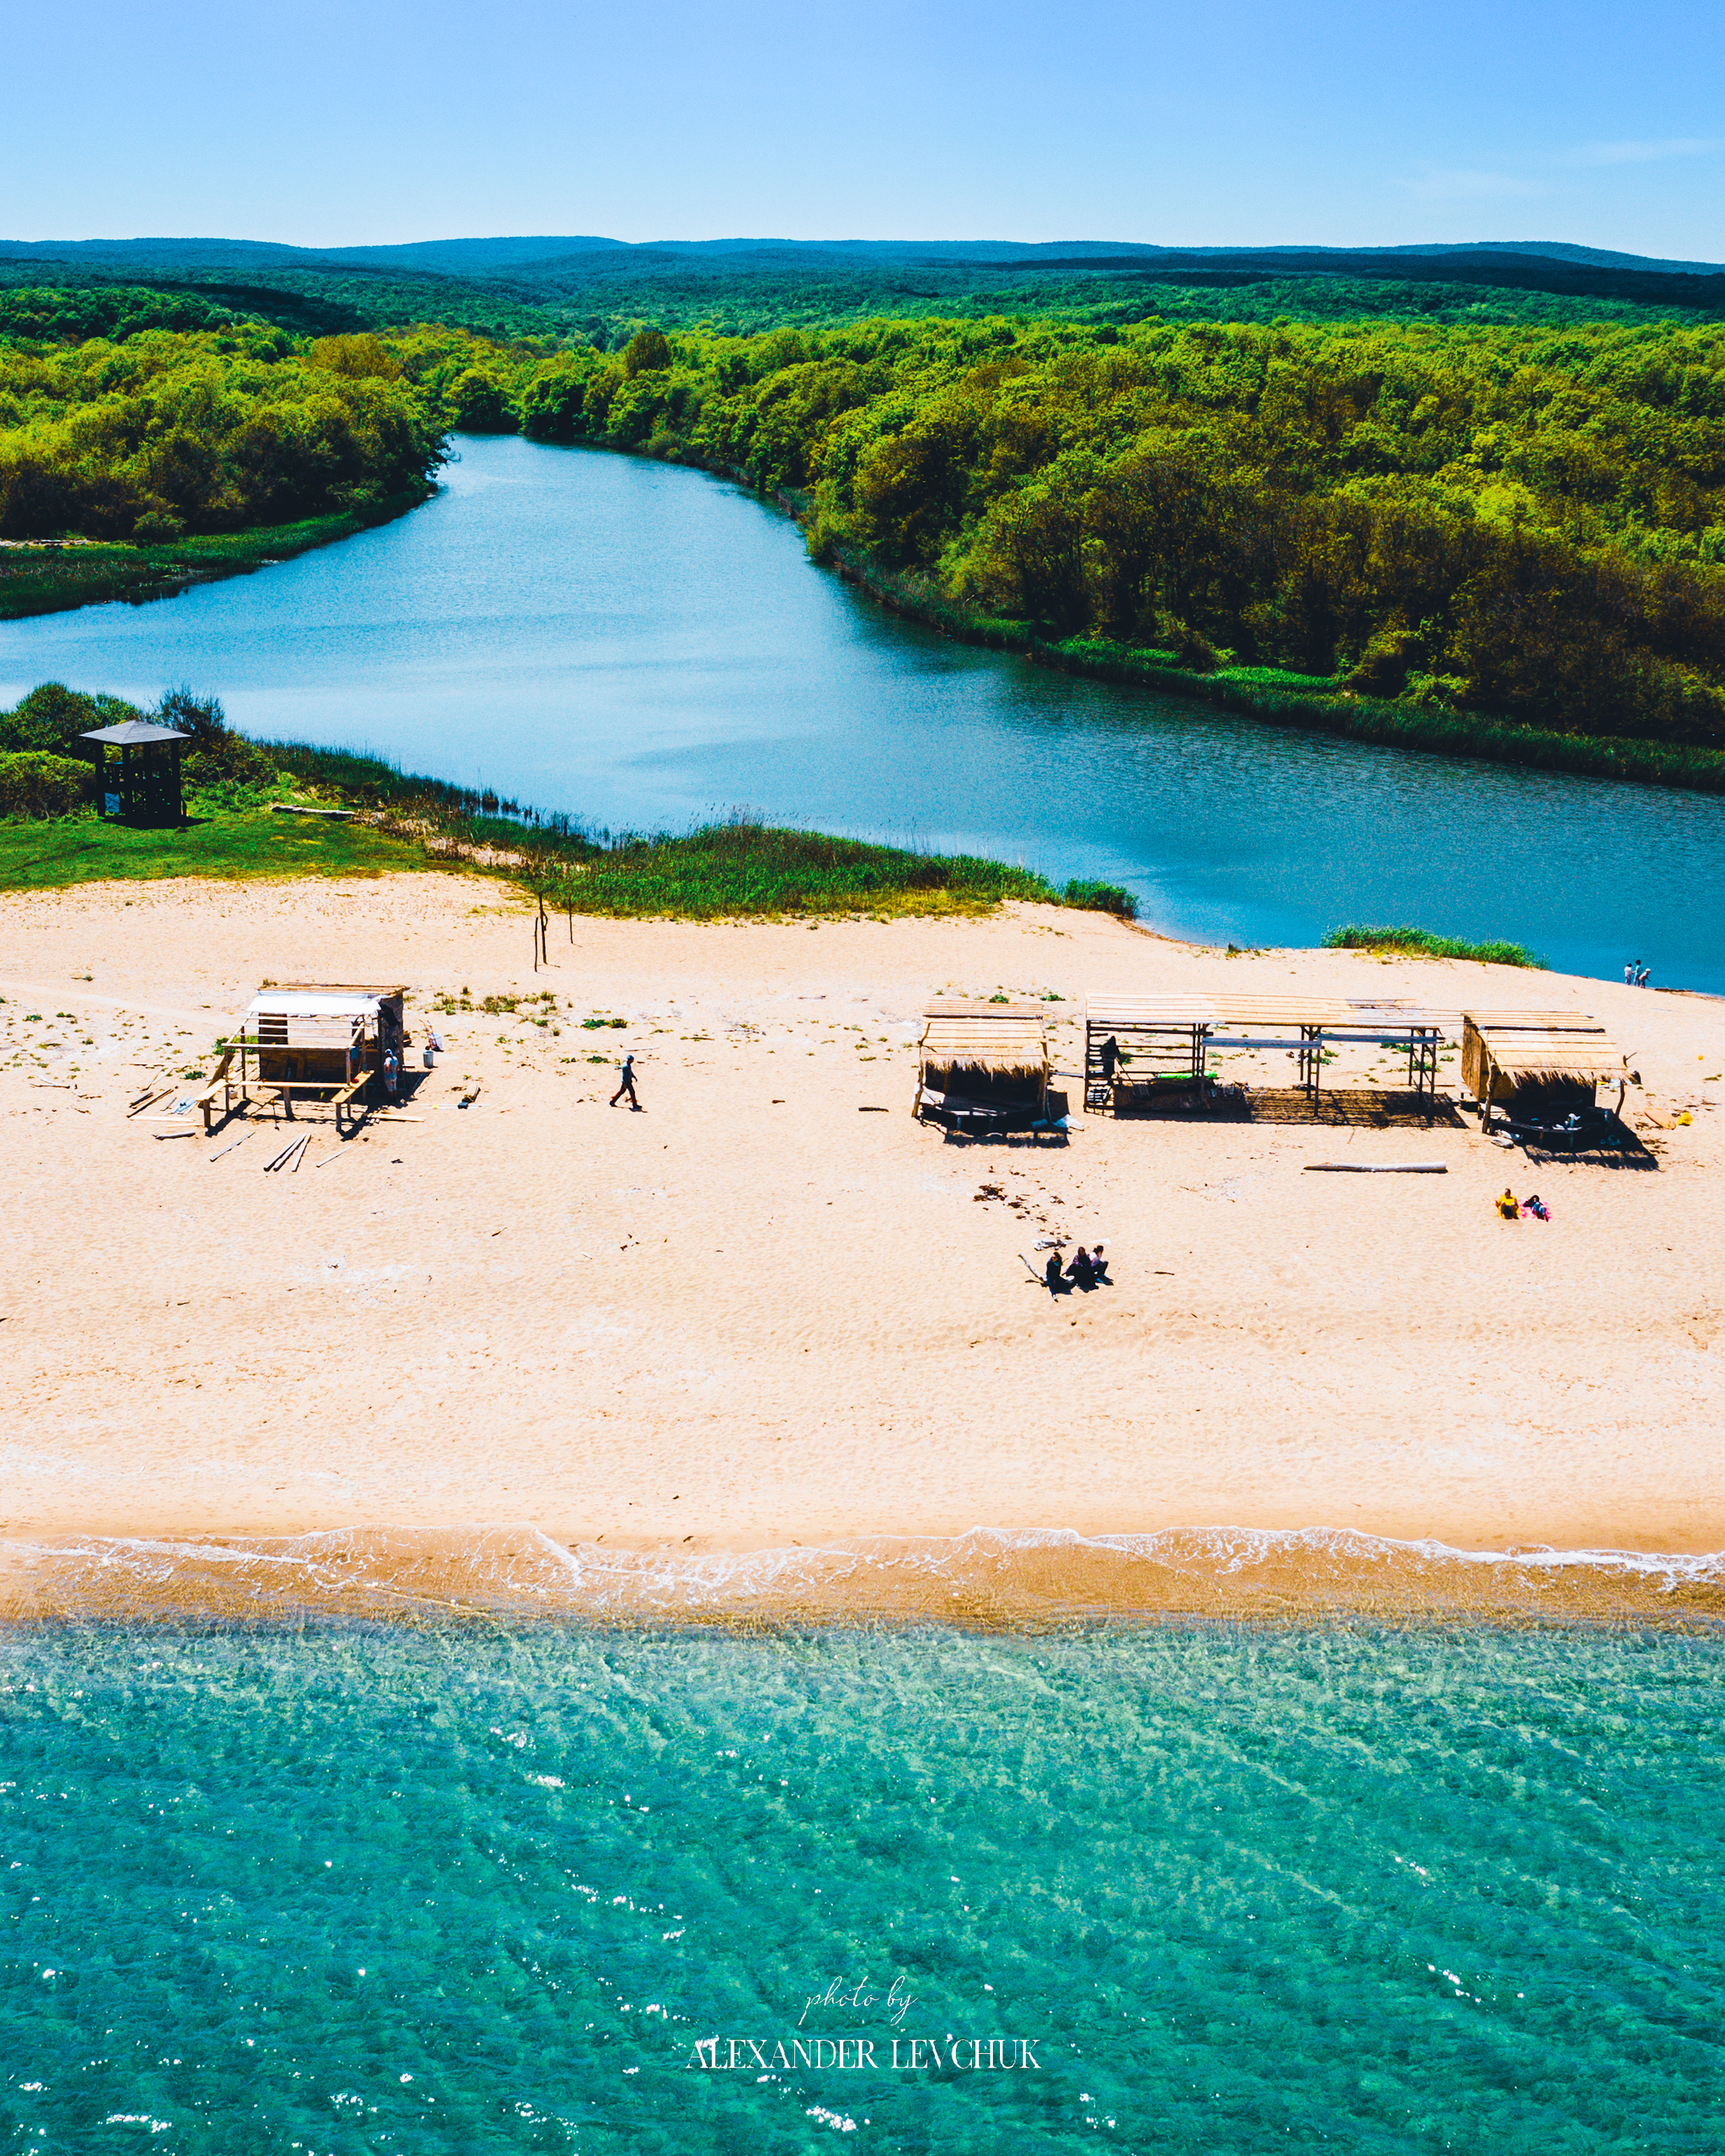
point(33, 784)
point(1276, 677)
point(1101, 897)
point(51, 717)
point(1421, 944)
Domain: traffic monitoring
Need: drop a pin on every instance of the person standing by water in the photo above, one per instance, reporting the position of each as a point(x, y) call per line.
point(626, 1084)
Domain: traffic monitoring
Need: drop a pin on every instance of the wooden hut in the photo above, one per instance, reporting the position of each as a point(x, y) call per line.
point(324, 1039)
point(985, 1065)
point(138, 766)
point(1538, 1066)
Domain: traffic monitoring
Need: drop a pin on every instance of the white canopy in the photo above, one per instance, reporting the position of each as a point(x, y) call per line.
point(321, 1003)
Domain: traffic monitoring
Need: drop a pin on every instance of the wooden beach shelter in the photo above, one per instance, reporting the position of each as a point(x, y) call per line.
point(325, 1040)
point(1538, 1066)
point(1138, 1045)
point(138, 767)
point(984, 1065)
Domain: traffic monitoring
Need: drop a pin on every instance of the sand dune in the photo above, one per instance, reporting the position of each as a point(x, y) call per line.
point(752, 1316)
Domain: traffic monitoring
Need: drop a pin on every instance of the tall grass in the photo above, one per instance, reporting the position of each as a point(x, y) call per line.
point(741, 867)
point(728, 870)
point(1421, 944)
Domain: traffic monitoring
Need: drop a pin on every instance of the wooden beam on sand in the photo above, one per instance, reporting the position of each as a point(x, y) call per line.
point(1376, 1168)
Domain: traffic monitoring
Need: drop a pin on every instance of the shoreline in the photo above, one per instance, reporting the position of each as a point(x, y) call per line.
point(55, 576)
point(988, 1580)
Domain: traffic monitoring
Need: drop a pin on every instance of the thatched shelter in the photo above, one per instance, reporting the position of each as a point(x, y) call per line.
point(984, 1058)
point(1538, 1064)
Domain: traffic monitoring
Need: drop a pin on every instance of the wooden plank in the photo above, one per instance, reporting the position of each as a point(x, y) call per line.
point(1375, 1168)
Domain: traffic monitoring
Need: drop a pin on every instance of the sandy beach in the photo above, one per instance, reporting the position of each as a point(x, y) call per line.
point(757, 1317)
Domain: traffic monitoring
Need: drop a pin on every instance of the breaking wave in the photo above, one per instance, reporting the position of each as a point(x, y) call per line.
point(988, 1579)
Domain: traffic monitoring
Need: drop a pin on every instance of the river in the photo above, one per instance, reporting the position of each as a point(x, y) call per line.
point(649, 647)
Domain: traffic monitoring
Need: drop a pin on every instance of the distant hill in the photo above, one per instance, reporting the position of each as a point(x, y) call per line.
point(587, 286)
point(483, 258)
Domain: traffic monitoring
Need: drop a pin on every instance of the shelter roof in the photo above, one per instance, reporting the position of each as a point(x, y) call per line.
point(132, 731)
point(1126, 1014)
point(980, 1007)
point(305, 1000)
point(986, 1036)
point(1547, 1044)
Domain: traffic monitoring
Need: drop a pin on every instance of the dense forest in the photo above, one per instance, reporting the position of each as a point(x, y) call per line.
point(1521, 521)
point(142, 433)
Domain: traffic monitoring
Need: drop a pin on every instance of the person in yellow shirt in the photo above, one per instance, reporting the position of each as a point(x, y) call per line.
point(1507, 1209)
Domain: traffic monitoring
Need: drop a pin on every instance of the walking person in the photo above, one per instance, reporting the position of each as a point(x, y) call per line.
point(626, 1084)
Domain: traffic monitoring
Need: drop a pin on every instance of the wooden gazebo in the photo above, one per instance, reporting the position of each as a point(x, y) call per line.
point(138, 766)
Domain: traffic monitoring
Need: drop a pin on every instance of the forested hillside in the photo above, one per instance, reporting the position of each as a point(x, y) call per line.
point(1521, 521)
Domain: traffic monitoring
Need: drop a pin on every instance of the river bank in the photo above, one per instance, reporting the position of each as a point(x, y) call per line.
point(771, 1316)
point(701, 666)
point(57, 576)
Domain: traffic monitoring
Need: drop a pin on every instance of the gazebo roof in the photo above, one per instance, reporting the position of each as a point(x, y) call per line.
point(132, 731)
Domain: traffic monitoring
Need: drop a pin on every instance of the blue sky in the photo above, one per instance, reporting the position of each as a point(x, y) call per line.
point(1338, 122)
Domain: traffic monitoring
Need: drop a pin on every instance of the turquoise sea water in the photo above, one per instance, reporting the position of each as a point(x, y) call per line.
point(350, 1889)
point(648, 646)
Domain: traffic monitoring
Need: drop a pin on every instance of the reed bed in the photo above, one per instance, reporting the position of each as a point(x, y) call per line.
point(1421, 944)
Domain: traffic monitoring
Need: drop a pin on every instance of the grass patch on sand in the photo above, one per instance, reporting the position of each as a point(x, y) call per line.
point(733, 869)
point(236, 839)
point(1421, 944)
point(741, 868)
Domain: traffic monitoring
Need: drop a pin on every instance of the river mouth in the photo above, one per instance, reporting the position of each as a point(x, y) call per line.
point(649, 647)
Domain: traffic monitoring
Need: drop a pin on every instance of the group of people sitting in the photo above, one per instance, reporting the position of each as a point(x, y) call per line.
point(1509, 1208)
point(1089, 1269)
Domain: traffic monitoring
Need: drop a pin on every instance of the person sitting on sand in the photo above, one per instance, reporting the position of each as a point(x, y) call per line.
point(1099, 1265)
point(1081, 1272)
point(1051, 1272)
point(1507, 1209)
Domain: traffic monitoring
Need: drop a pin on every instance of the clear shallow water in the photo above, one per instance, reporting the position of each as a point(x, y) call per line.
point(1376, 1891)
point(644, 646)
